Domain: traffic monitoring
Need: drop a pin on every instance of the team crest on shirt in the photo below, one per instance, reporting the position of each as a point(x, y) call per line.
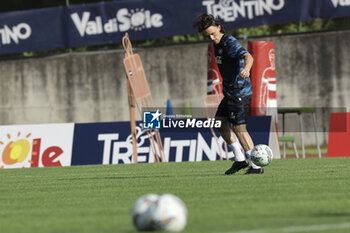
point(218, 59)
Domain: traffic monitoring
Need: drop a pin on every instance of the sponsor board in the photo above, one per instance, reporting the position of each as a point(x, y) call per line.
point(111, 143)
point(15, 33)
point(24, 146)
point(230, 10)
point(107, 22)
point(340, 3)
point(125, 19)
point(339, 134)
point(32, 30)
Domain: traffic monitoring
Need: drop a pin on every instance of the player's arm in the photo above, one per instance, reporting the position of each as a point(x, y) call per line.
point(248, 63)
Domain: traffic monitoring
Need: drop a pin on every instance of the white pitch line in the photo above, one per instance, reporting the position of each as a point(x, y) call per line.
point(310, 228)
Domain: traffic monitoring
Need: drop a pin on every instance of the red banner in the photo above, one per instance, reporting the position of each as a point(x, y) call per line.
point(214, 77)
point(339, 135)
point(263, 77)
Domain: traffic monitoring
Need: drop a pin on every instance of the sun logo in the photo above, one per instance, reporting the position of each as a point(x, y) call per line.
point(20, 151)
point(137, 18)
point(16, 151)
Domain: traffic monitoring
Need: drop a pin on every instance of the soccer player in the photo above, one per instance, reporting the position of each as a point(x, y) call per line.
point(234, 63)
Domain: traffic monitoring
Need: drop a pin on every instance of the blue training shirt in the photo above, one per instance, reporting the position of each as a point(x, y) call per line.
point(229, 57)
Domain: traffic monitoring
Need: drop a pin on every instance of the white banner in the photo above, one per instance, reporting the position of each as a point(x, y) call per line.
point(45, 145)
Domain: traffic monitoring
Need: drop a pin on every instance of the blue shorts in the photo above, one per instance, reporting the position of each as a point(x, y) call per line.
point(236, 109)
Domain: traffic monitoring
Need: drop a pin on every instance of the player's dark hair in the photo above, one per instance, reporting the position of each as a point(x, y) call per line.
point(205, 21)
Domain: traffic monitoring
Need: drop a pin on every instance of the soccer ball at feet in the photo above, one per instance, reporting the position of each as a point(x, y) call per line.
point(261, 155)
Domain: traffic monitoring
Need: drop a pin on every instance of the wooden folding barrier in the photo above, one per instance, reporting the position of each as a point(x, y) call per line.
point(140, 97)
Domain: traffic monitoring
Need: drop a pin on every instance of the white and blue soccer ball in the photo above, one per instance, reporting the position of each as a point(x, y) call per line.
point(169, 213)
point(141, 212)
point(261, 155)
point(165, 212)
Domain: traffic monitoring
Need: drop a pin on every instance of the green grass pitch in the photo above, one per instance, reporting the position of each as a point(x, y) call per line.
point(294, 195)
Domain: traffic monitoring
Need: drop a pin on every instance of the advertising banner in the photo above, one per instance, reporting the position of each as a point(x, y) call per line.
point(107, 22)
point(24, 146)
point(263, 76)
point(111, 143)
point(33, 30)
point(339, 135)
point(214, 84)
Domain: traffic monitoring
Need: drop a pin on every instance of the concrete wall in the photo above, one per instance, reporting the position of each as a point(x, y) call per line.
point(312, 70)
point(91, 87)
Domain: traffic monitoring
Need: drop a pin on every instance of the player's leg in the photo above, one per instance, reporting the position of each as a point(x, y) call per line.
point(243, 136)
point(239, 119)
point(247, 144)
point(239, 108)
point(225, 131)
point(230, 138)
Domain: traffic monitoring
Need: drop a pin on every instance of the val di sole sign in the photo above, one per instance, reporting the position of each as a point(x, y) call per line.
point(107, 22)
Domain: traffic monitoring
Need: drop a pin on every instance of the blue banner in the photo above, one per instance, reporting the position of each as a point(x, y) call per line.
point(111, 143)
point(33, 30)
point(107, 22)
